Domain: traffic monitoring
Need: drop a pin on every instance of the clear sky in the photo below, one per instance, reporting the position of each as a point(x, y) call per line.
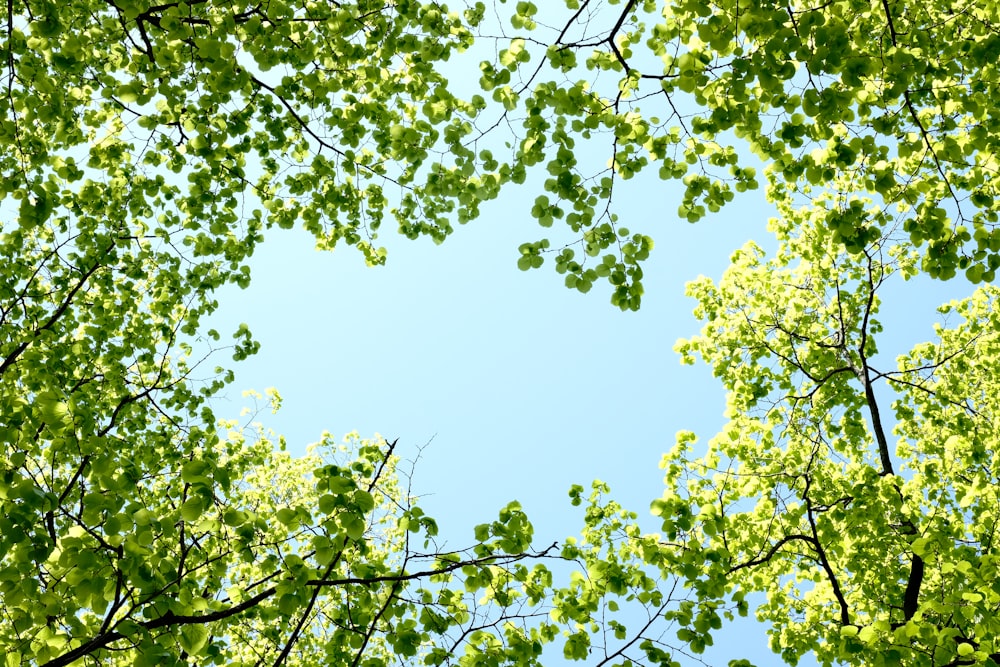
point(520, 386)
point(507, 384)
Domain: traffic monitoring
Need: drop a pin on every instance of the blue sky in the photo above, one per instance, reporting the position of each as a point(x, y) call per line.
point(521, 386)
point(524, 386)
point(518, 387)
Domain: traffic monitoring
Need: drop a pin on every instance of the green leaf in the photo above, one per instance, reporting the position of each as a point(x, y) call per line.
point(193, 638)
point(288, 604)
point(192, 509)
point(286, 516)
point(233, 517)
point(364, 500)
point(354, 525)
point(328, 503)
point(194, 471)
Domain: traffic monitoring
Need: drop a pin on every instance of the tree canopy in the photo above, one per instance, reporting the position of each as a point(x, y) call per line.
point(864, 513)
point(148, 147)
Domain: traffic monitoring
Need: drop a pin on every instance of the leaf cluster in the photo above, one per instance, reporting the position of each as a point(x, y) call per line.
point(870, 543)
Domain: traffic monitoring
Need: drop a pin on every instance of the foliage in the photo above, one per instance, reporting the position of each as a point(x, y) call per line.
point(871, 543)
point(147, 147)
point(875, 126)
point(333, 117)
point(894, 99)
point(196, 549)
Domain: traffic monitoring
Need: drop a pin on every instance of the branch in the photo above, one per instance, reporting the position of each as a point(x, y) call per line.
point(572, 20)
point(865, 377)
point(888, 17)
point(19, 350)
point(620, 652)
point(374, 624)
point(308, 130)
point(401, 577)
point(293, 637)
point(168, 619)
point(845, 614)
point(614, 31)
point(773, 551)
point(911, 598)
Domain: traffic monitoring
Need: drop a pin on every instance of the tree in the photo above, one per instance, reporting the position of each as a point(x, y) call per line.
point(872, 543)
point(872, 123)
point(890, 100)
point(149, 147)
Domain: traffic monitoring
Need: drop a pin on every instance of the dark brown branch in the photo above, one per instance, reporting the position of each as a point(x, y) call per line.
point(621, 19)
point(864, 374)
point(609, 40)
point(323, 143)
point(571, 21)
point(773, 551)
point(19, 350)
point(395, 578)
point(373, 626)
point(911, 597)
point(890, 377)
point(925, 135)
point(888, 17)
point(845, 614)
point(69, 485)
point(116, 604)
point(167, 619)
point(620, 652)
point(385, 461)
point(883, 445)
point(293, 637)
